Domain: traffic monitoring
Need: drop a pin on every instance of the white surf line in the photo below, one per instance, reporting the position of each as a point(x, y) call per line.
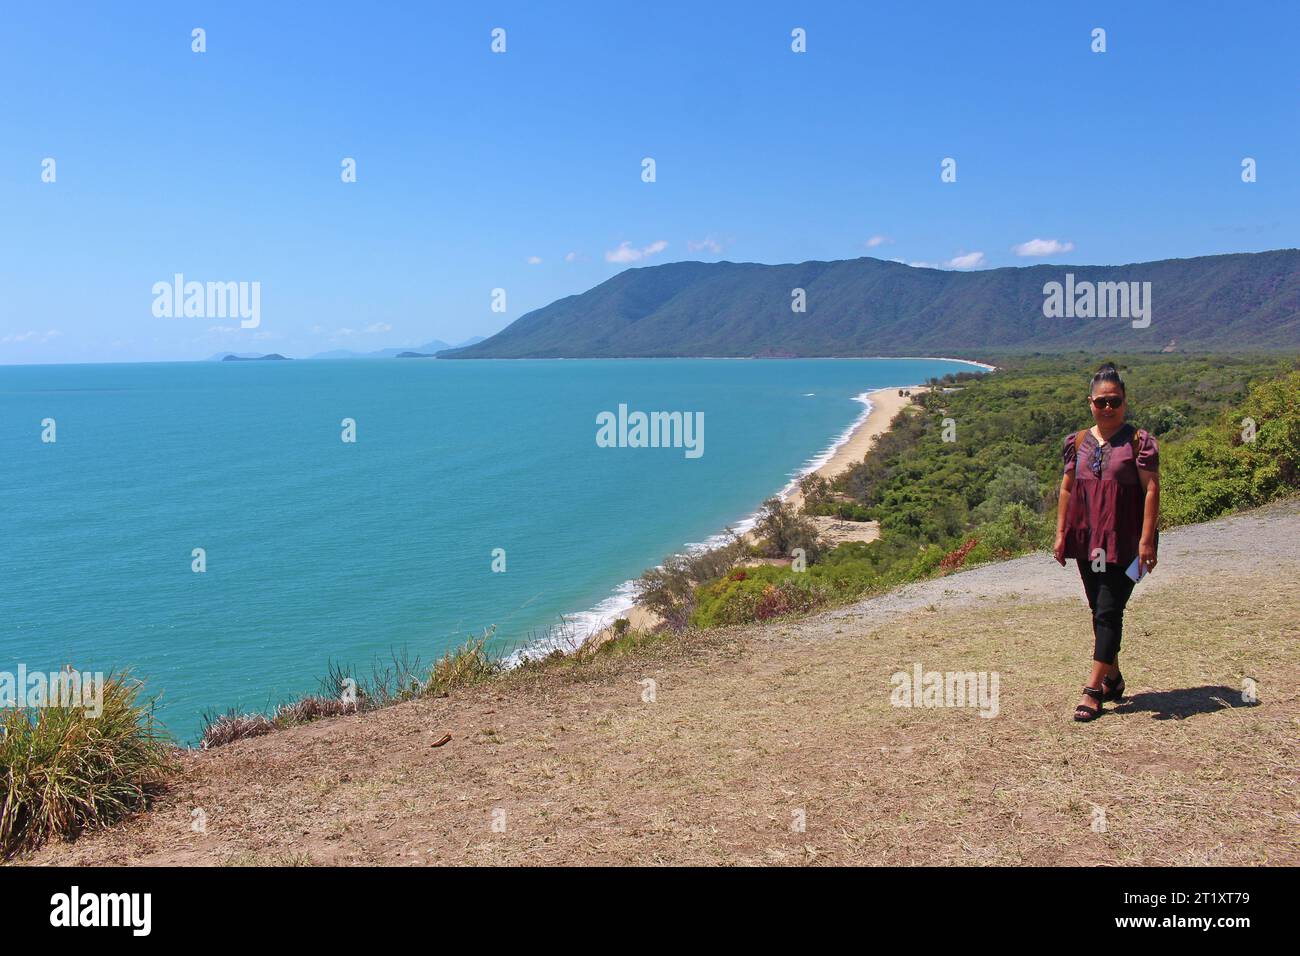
point(588, 623)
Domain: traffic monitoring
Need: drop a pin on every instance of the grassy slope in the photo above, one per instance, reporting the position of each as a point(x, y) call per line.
point(588, 772)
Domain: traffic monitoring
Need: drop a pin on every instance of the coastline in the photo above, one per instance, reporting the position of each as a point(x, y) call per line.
point(882, 406)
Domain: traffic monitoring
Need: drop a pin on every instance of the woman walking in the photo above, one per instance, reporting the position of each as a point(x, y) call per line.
point(1109, 509)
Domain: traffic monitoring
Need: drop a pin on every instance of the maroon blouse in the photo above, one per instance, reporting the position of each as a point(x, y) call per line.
point(1106, 509)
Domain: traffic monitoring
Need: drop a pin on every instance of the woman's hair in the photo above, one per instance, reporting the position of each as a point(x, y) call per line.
point(1107, 373)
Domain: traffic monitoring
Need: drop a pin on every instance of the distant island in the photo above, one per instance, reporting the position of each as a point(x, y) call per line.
point(857, 307)
point(427, 350)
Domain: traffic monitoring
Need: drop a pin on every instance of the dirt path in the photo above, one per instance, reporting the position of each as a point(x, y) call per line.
point(779, 744)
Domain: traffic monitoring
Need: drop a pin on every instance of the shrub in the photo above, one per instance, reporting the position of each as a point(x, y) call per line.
point(956, 558)
point(1161, 421)
point(780, 531)
point(1016, 530)
point(62, 771)
point(668, 591)
point(1219, 470)
point(1013, 484)
point(756, 594)
point(816, 491)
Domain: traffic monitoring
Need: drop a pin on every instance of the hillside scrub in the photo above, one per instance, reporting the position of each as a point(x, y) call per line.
point(990, 493)
point(781, 531)
point(669, 591)
point(1249, 456)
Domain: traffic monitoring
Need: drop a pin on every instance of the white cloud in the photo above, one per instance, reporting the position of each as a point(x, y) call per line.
point(534, 260)
point(31, 335)
point(318, 330)
point(709, 245)
point(570, 257)
point(1042, 247)
point(878, 241)
point(625, 252)
point(968, 260)
point(379, 327)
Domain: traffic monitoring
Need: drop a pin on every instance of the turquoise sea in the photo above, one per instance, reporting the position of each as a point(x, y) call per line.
point(319, 550)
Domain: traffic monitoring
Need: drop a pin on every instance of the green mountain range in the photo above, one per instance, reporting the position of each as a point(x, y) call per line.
point(1238, 302)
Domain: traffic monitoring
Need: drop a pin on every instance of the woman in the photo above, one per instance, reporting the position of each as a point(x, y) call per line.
point(1109, 509)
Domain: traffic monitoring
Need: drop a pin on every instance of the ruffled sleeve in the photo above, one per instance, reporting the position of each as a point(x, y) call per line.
point(1148, 452)
point(1068, 456)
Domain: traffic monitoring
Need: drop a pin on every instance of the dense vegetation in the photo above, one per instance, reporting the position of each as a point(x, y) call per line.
point(970, 473)
point(1246, 301)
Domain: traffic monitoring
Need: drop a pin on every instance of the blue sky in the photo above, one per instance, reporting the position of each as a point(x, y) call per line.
point(522, 170)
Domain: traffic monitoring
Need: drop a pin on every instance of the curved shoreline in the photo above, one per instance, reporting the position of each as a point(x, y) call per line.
point(846, 450)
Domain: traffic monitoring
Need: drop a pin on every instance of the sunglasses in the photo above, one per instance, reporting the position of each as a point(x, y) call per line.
point(1107, 401)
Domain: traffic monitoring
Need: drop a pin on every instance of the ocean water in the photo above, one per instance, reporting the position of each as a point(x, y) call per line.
point(322, 551)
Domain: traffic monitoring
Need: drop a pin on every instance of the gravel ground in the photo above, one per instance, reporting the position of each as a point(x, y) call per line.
point(1249, 543)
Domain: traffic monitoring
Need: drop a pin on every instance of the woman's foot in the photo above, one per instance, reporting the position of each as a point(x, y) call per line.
point(1113, 685)
point(1089, 707)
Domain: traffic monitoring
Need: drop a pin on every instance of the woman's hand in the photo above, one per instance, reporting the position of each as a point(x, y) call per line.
point(1147, 555)
point(1058, 550)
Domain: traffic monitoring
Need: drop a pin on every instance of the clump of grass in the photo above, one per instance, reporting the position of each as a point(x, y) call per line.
point(222, 729)
point(308, 709)
point(401, 680)
point(63, 771)
point(469, 664)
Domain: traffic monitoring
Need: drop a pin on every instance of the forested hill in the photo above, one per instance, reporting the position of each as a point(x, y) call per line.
point(1244, 301)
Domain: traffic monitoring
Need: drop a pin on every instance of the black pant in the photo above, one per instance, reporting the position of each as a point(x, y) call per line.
point(1108, 591)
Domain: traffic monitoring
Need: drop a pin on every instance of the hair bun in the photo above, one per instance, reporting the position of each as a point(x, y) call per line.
point(1106, 367)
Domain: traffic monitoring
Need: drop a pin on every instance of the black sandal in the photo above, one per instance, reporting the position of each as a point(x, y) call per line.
point(1114, 688)
point(1083, 713)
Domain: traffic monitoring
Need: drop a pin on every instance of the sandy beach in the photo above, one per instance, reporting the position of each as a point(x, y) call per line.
point(886, 403)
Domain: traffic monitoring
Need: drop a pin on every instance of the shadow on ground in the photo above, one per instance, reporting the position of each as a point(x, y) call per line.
point(1188, 702)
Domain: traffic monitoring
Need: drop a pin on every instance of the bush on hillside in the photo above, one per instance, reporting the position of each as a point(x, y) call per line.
point(756, 594)
point(1220, 469)
point(1013, 484)
point(63, 771)
point(780, 531)
point(669, 591)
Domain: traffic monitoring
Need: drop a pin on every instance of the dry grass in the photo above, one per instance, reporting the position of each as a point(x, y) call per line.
point(401, 681)
point(753, 729)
